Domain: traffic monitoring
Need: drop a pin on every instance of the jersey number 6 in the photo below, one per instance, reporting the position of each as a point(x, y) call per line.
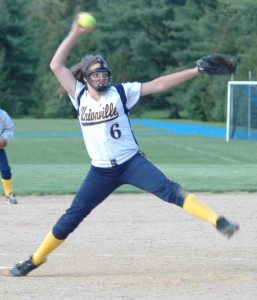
point(115, 132)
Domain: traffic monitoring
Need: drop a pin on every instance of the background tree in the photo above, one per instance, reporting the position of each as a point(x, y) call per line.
point(16, 58)
point(141, 39)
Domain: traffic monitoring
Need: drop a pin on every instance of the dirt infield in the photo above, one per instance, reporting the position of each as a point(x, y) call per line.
point(132, 247)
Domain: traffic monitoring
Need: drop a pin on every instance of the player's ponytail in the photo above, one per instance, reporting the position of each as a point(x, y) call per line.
point(77, 71)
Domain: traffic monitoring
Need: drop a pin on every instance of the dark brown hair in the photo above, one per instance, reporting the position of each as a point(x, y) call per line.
point(79, 69)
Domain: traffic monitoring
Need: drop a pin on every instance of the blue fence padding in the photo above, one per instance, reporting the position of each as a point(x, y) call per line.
point(160, 128)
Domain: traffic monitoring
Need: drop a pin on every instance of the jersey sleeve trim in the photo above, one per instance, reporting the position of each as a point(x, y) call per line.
point(123, 97)
point(79, 98)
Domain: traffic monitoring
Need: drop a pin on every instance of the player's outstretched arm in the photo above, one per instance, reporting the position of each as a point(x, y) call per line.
point(212, 64)
point(165, 82)
point(57, 65)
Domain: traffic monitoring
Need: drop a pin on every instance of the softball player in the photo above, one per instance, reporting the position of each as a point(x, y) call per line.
point(102, 111)
point(6, 133)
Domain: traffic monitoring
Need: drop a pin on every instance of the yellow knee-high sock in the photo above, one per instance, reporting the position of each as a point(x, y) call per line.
point(198, 209)
point(7, 184)
point(49, 244)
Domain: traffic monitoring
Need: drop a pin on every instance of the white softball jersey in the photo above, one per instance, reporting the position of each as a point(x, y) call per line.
point(6, 126)
point(105, 124)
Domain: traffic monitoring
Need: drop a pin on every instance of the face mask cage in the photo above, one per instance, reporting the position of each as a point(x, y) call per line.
point(98, 70)
point(102, 69)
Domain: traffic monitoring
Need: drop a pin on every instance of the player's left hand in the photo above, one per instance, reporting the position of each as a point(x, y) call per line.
point(3, 142)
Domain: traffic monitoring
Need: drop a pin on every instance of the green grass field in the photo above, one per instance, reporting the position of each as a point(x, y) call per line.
point(58, 164)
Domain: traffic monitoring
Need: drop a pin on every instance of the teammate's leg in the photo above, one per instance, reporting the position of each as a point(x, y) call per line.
point(6, 178)
point(141, 173)
point(98, 185)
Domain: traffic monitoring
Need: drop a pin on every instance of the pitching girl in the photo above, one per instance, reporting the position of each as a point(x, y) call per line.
point(103, 114)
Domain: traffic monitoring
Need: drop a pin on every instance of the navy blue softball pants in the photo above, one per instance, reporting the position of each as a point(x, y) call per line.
point(101, 182)
point(4, 166)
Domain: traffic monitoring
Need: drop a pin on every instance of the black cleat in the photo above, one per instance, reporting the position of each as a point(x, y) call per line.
point(23, 267)
point(226, 227)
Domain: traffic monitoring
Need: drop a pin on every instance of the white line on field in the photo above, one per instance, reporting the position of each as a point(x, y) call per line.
point(142, 255)
point(128, 255)
point(172, 256)
point(139, 255)
point(203, 152)
point(213, 258)
point(104, 255)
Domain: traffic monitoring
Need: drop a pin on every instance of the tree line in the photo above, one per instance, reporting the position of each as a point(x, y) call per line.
point(140, 39)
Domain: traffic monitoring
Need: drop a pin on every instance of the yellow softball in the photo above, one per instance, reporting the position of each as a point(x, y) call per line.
point(86, 20)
